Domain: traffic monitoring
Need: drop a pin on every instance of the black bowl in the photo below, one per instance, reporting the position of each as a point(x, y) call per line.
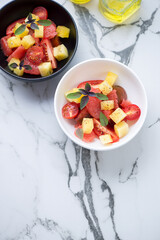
point(19, 9)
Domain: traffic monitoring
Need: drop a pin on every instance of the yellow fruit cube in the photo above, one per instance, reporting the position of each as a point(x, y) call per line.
point(118, 115)
point(107, 105)
point(63, 32)
point(111, 78)
point(105, 139)
point(45, 69)
point(87, 125)
point(76, 100)
point(14, 42)
point(39, 32)
point(105, 87)
point(26, 31)
point(121, 129)
point(13, 60)
point(27, 41)
point(60, 52)
point(18, 71)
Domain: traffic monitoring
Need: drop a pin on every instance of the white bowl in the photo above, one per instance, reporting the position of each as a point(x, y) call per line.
point(96, 69)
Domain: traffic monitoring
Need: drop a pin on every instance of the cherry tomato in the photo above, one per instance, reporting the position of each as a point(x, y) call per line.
point(18, 53)
point(48, 52)
point(50, 31)
point(121, 93)
point(34, 70)
point(41, 12)
point(82, 114)
point(133, 112)
point(10, 28)
point(87, 137)
point(98, 128)
point(91, 82)
point(35, 54)
point(70, 110)
point(113, 96)
point(93, 106)
point(4, 45)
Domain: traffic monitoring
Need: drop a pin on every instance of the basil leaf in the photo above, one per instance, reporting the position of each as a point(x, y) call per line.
point(29, 17)
point(84, 92)
point(74, 95)
point(34, 26)
point(101, 96)
point(13, 65)
point(20, 30)
point(79, 133)
point(87, 87)
point(45, 22)
point(103, 119)
point(27, 67)
point(21, 64)
point(92, 94)
point(84, 102)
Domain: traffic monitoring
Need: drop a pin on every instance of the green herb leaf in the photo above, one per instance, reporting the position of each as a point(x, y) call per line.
point(13, 65)
point(27, 67)
point(101, 96)
point(84, 92)
point(84, 102)
point(79, 133)
point(45, 22)
point(87, 87)
point(20, 30)
point(74, 95)
point(29, 17)
point(91, 94)
point(103, 119)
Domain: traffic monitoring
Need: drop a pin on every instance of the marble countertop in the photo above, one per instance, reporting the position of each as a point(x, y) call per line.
point(51, 188)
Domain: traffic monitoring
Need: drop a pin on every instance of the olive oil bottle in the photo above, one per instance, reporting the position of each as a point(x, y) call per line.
point(118, 10)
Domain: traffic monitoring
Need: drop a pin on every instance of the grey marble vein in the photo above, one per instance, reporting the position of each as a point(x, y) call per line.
point(132, 173)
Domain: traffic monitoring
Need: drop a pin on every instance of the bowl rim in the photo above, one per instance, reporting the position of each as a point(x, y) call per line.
point(82, 143)
point(41, 79)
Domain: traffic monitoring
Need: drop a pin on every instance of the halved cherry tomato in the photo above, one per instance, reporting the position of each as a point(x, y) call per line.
point(101, 130)
point(93, 106)
point(87, 137)
point(50, 31)
point(41, 12)
point(34, 70)
point(133, 112)
point(121, 93)
point(70, 110)
point(18, 53)
point(10, 28)
point(91, 82)
point(4, 45)
point(35, 54)
point(82, 114)
point(113, 96)
point(48, 52)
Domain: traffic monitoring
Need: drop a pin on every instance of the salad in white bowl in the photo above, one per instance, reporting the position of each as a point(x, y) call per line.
point(100, 104)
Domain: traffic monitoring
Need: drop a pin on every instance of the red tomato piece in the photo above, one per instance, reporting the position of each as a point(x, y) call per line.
point(48, 52)
point(56, 41)
point(10, 28)
point(125, 103)
point(35, 54)
point(121, 93)
point(34, 70)
point(110, 131)
point(50, 31)
point(113, 96)
point(70, 110)
point(91, 82)
point(18, 53)
point(37, 40)
point(41, 12)
point(4, 45)
point(107, 113)
point(82, 114)
point(133, 112)
point(86, 137)
point(93, 106)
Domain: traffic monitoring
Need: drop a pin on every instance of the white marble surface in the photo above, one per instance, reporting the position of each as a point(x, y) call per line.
point(50, 188)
